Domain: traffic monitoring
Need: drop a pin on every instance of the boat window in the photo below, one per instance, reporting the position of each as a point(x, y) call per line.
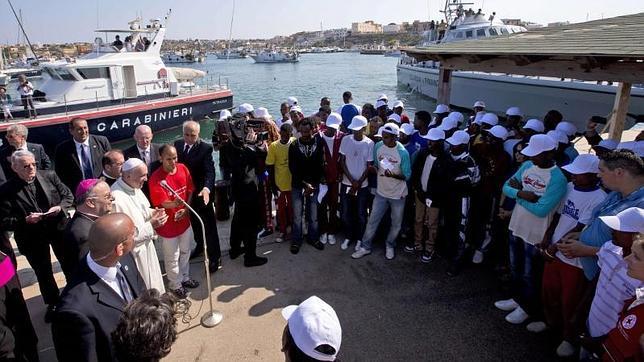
point(480, 33)
point(65, 74)
point(52, 73)
point(459, 35)
point(93, 73)
point(504, 31)
point(493, 32)
point(469, 34)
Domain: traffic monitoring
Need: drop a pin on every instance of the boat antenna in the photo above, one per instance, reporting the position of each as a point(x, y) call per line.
point(23, 30)
point(167, 17)
point(230, 32)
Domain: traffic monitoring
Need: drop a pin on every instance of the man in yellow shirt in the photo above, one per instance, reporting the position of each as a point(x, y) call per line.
point(280, 175)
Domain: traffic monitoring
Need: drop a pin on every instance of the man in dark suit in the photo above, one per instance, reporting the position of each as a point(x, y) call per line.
point(93, 200)
point(145, 151)
point(17, 140)
point(93, 301)
point(80, 158)
point(197, 156)
point(34, 205)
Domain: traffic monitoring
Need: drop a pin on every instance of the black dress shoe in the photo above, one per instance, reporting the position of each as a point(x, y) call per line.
point(214, 266)
point(196, 253)
point(235, 253)
point(295, 248)
point(318, 245)
point(256, 261)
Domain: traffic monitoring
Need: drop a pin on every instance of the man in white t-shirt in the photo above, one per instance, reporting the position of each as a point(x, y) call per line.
point(564, 282)
point(394, 169)
point(356, 152)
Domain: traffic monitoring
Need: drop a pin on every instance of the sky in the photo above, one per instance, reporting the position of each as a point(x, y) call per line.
point(75, 20)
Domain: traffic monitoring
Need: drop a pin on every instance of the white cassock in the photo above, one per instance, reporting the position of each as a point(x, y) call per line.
point(133, 203)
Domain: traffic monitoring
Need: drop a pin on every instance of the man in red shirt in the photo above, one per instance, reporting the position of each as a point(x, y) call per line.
point(176, 233)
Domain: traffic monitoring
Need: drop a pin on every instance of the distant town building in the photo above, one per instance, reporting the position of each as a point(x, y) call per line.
point(420, 26)
point(392, 28)
point(559, 23)
point(516, 22)
point(367, 27)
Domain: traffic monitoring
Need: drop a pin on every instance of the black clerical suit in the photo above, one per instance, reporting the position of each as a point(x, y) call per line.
point(68, 165)
point(18, 199)
point(89, 311)
point(199, 161)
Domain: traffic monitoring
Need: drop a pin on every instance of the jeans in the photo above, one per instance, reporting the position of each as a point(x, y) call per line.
point(176, 258)
point(354, 212)
point(527, 270)
point(378, 210)
point(309, 206)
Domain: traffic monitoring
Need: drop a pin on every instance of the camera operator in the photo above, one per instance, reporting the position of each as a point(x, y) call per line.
point(240, 155)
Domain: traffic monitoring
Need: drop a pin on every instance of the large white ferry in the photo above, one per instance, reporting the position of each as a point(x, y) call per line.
point(576, 100)
point(118, 88)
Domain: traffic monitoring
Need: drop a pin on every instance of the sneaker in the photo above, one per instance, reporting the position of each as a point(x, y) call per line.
point(360, 253)
point(264, 233)
point(427, 256)
point(566, 349)
point(390, 253)
point(477, 258)
point(190, 283)
point(536, 327)
point(518, 316)
point(358, 245)
point(323, 238)
point(409, 248)
point(506, 305)
point(181, 293)
point(345, 244)
point(331, 239)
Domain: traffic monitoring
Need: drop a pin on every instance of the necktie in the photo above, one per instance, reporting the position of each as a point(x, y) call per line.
point(186, 149)
point(87, 164)
point(125, 288)
point(144, 157)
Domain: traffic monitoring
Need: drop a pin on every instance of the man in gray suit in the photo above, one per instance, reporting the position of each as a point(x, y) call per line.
point(17, 140)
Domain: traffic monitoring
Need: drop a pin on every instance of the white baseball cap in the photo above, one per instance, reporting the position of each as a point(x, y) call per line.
point(479, 117)
point(224, 114)
point(630, 220)
point(535, 125)
point(380, 103)
point(566, 127)
point(458, 116)
point(479, 104)
point(314, 323)
point(334, 120)
point(498, 131)
point(357, 123)
point(608, 144)
point(449, 123)
point(584, 163)
point(379, 133)
point(514, 111)
point(394, 117)
point(292, 101)
point(558, 136)
point(398, 104)
point(441, 108)
point(295, 109)
point(490, 118)
point(635, 146)
point(539, 143)
point(407, 129)
point(391, 128)
point(459, 138)
point(435, 134)
point(245, 108)
point(262, 112)
point(383, 97)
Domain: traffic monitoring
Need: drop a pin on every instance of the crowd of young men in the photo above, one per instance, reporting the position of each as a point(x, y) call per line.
point(514, 194)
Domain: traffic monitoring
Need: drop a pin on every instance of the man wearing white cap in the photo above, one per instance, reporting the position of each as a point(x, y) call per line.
point(487, 121)
point(441, 111)
point(513, 118)
point(394, 169)
point(570, 130)
point(563, 278)
point(614, 286)
point(398, 109)
point(328, 209)
point(348, 110)
point(405, 138)
point(312, 332)
point(462, 177)
point(394, 118)
point(130, 200)
point(494, 164)
point(561, 158)
point(292, 101)
point(383, 110)
point(428, 176)
point(604, 146)
point(538, 187)
point(356, 152)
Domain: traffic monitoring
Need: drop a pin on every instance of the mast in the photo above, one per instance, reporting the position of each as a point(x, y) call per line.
point(230, 32)
point(23, 30)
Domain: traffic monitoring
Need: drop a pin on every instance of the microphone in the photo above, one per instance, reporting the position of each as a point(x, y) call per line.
point(212, 317)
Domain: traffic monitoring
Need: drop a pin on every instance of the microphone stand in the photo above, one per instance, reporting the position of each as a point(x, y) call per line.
point(213, 317)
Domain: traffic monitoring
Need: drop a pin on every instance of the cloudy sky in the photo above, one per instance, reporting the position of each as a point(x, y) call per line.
point(74, 20)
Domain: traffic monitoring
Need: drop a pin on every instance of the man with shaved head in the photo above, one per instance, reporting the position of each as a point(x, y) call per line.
point(93, 301)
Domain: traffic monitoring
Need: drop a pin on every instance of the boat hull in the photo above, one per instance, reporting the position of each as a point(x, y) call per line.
point(577, 101)
point(119, 123)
